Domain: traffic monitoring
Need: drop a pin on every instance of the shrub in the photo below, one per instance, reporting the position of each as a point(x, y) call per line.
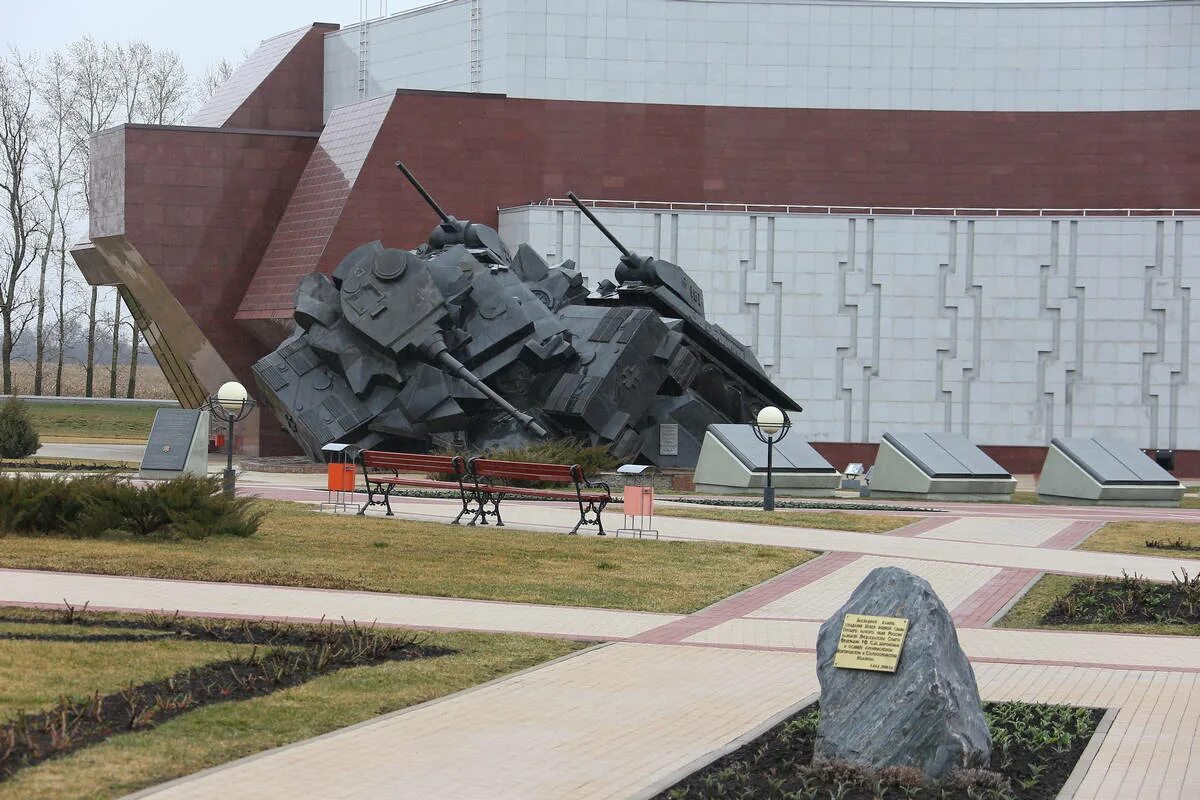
point(17, 435)
point(187, 507)
point(560, 451)
point(594, 460)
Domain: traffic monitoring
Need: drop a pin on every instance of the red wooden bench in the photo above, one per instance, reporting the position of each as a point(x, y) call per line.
point(489, 475)
point(381, 472)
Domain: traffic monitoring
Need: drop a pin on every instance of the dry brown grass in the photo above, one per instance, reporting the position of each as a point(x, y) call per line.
point(1131, 537)
point(297, 546)
point(826, 520)
point(151, 383)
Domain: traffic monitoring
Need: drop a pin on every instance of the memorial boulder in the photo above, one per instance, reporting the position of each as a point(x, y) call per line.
point(926, 713)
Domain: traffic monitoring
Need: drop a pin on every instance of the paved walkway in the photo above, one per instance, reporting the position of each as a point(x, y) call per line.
point(627, 718)
point(194, 598)
point(990, 541)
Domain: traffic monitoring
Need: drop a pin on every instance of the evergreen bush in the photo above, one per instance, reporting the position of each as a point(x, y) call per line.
point(186, 507)
point(18, 438)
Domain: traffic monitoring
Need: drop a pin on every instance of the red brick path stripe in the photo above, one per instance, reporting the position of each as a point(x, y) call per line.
point(923, 526)
point(744, 603)
point(986, 602)
point(1070, 537)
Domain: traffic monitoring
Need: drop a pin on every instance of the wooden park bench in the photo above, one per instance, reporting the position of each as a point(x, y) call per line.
point(382, 474)
point(491, 486)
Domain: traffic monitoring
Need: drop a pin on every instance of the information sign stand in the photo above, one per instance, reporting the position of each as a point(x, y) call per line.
point(638, 501)
point(342, 473)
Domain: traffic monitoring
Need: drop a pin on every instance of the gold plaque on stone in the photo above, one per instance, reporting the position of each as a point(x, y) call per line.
point(872, 643)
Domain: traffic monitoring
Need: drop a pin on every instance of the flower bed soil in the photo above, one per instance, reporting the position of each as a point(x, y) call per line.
point(1035, 748)
point(1128, 599)
point(282, 656)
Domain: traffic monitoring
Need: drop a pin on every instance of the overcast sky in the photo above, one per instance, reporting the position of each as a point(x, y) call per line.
point(201, 31)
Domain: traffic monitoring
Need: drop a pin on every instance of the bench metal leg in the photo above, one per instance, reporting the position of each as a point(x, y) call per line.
point(466, 507)
point(387, 500)
point(596, 509)
point(370, 500)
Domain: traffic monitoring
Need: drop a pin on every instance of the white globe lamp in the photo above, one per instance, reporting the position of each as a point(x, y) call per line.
point(771, 420)
point(770, 425)
point(232, 397)
point(231, 404)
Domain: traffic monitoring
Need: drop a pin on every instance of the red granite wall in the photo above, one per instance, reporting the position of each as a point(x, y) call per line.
point(200, 207)
point(480, 152)
point(291, 97)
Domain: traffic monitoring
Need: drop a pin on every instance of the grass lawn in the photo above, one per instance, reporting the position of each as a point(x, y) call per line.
point(297, 546)
point(105, 420)
point(829, 520)
point(219, 733)
point(34, 673)
point(1030, 609)
point(1130, 537)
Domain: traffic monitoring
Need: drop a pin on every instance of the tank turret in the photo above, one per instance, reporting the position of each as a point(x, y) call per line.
point(666, 287)
point(481, 240)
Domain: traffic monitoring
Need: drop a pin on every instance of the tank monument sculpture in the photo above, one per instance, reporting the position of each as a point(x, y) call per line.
point(465, 344)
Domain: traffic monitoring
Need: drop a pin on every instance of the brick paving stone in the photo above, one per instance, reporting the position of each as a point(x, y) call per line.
point(603, 724)
point(1162, 653)
point(196, 598)
point(615, 720)
point(953, 583)
point(1028, 531)
point(978, 609)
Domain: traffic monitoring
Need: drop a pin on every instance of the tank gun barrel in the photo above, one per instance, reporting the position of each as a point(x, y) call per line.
point(455, 366)
point(600, 226)
point(421, 191)
point(435, 350)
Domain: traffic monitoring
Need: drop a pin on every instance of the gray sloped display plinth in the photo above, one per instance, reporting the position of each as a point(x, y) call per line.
point(1105, 472)
point(928, 713)
point(178, 444)
point(733, 459)
point(937, 466)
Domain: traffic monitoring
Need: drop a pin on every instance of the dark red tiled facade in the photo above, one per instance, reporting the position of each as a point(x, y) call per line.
point(278, 88)
point(229, 220)
point(478, 153)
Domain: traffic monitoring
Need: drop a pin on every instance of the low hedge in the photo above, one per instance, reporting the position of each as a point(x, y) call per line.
point(593, 459)
point(187, 507)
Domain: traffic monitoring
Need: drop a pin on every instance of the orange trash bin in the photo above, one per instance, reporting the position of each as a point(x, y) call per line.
point(341, 477)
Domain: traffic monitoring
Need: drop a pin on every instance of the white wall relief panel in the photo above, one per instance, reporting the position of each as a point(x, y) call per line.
point(1010, 330)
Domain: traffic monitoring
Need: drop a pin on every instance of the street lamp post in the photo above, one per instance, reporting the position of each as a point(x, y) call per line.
point(771, 425)
point(232, 403)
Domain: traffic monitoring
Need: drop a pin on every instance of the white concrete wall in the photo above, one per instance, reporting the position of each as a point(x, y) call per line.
point(428, 48)
point(1007, 330)
point(793, 53)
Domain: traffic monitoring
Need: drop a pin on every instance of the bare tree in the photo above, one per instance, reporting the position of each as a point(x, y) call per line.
point(116, 345)
point(20, 237)
point(133, 61)
point(93, 72)
point(165, 99)
point(214, 76)
point(54, 152)
point(61, 322)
